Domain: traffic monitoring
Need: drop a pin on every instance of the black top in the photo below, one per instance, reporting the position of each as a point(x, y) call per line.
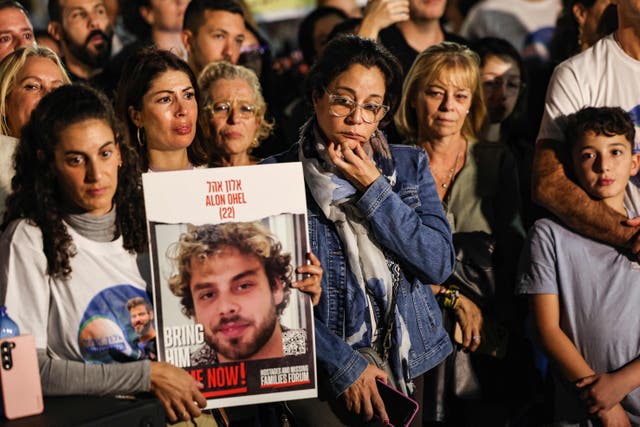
point(392, 38)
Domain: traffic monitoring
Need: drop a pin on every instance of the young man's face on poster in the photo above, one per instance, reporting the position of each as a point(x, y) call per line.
point(236, 305)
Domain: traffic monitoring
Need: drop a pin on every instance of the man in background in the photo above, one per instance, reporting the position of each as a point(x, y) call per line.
point(85, 35)
point(15, 29)
point(213, 30)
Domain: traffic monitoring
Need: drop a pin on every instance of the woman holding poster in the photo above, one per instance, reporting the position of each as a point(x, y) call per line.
point(377, 225)
point(73, 226)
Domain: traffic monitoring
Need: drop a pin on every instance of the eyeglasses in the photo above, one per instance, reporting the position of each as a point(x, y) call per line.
point(341, 106)
point(223, 109)
point(512, 86)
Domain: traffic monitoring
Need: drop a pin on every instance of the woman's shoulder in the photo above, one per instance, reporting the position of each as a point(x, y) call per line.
point(410, 161)
point(406, 151)
point(23, 232)
point(291, 155)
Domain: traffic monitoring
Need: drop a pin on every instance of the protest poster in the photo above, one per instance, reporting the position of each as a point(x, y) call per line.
point(224, 246)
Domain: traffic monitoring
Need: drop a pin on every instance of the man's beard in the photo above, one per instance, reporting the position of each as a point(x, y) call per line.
point(82, 53)
point(232, 349)
point(145, 329)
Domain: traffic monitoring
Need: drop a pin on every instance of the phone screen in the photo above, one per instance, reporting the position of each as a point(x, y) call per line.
point(400, 408)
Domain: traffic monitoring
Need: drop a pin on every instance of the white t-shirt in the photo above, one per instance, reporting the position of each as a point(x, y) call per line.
point(601, 76)
point(597, 287)
point(84, 318)
point(528, 25)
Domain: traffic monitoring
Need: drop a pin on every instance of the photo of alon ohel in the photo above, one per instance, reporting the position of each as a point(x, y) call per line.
point(224, 308)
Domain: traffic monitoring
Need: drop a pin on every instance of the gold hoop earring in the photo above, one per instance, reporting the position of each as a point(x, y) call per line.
point(140, 138)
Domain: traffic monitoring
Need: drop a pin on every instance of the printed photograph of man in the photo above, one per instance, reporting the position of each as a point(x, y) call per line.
point(234, 279)
point(141, 314)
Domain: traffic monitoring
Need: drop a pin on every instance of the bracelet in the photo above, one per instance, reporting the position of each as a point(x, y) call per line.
point(450, 297)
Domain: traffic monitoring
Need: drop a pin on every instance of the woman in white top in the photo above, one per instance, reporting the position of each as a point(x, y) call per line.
point(74, 224)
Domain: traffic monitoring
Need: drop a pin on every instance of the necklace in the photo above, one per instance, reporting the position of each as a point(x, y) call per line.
point(451, 172)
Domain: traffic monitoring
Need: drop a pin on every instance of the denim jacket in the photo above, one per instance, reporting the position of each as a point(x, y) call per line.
point(408, 221)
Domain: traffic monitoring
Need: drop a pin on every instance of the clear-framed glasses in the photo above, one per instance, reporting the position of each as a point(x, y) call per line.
point(223, 109)
point(341, 106)
point(511, 85)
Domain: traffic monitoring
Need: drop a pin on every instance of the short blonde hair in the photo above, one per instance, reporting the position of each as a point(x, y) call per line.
point(444, 59)
point(11, 66)
point(223, 70)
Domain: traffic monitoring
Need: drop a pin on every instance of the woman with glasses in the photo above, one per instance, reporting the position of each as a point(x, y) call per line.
point(377, 226)
point(158, 100)
point(233, 113)
point(442, 111)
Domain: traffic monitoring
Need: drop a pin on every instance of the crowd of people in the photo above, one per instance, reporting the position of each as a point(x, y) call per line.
point(471, 200)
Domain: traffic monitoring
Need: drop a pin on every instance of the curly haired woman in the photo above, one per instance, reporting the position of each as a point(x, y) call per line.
point(73, 226)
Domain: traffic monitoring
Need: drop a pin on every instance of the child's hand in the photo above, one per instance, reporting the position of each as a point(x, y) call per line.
point(602, 391)
point(311, 284)
point(614, 417)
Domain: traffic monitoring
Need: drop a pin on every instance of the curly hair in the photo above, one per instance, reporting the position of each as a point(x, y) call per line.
point(449, 60)
point(606, 121)
point(139, 72)
point(35, 194)
point(250, 238)
point(224, 70)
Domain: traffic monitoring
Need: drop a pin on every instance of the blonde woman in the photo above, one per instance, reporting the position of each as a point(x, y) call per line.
point(442, 111)
point(26, 75)
point(232, 113)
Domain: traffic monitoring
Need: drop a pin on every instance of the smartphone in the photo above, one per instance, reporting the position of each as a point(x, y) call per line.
point(401, 409)
point(20, 377)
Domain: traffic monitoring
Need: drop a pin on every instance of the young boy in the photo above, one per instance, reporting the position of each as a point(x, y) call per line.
point(584, 294)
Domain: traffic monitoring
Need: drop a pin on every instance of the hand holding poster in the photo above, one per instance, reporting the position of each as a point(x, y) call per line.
point(225, 244)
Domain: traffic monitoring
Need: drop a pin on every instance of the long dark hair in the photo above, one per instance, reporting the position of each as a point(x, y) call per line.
point(36, 196)
point(137, 75)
